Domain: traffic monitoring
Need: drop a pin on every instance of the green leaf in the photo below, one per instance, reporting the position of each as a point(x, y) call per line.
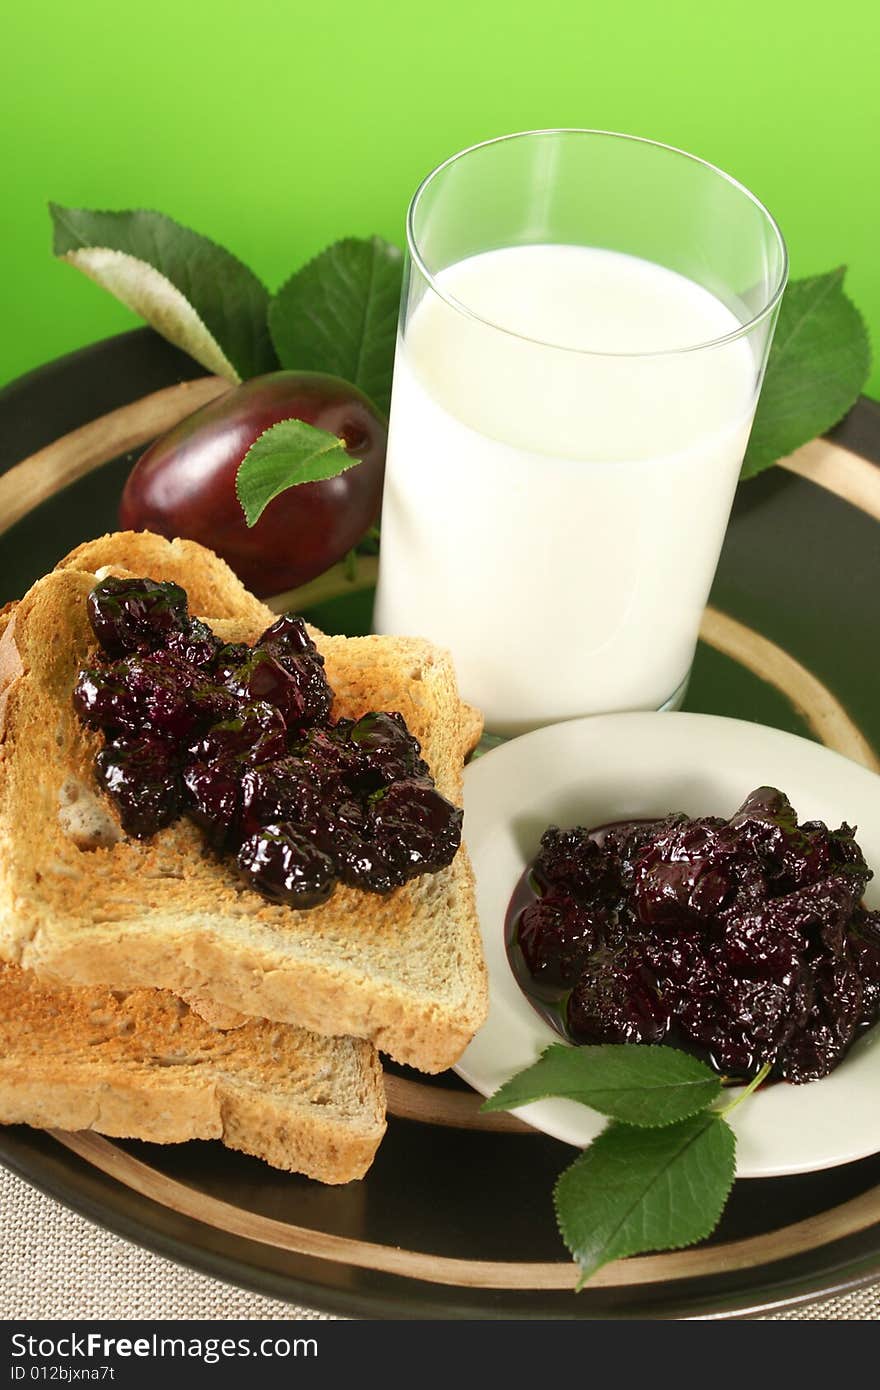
point(635, 1190)
point(641, 1085)
point(339, 315)
point(196, 294)
point(818, 364)
point(285, 455)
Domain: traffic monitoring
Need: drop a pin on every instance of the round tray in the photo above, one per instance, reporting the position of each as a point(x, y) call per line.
point(455, 1219)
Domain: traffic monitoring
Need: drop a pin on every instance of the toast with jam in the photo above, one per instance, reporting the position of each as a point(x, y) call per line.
point(342, 916)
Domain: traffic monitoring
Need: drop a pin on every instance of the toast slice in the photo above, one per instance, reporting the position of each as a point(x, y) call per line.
point(82, 904)
point(144, 1066)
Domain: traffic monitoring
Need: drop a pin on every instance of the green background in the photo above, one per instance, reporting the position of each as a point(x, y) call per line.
point(277, 127)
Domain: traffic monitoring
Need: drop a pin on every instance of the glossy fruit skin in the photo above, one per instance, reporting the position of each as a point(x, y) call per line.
point(143, 777)
point(184, 485)
point(126, 614)
point(284, 864)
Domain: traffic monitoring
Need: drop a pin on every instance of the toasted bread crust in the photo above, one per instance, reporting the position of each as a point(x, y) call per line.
point(144, 1066)
point(213, 589)
point(404, 971)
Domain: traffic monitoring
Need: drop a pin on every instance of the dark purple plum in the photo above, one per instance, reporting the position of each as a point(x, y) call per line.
point(184, 485)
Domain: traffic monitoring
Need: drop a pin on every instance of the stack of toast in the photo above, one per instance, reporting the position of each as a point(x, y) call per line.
point(145, 992)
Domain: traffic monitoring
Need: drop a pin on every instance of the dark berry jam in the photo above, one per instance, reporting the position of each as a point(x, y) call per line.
point(240, 739)
point(744, 941)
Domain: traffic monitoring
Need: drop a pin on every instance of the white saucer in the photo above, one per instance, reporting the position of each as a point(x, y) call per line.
point(617, 766)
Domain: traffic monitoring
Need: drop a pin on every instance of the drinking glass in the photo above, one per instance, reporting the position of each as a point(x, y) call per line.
point(584, 328)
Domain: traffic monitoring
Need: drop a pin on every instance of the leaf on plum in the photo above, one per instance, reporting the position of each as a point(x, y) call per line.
point(338, 314)
point(192, 291)
point(285, 455)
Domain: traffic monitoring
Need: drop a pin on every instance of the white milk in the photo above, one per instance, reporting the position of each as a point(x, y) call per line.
point(551, 515)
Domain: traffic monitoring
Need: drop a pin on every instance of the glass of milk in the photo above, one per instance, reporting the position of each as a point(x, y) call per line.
point(584, 328)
